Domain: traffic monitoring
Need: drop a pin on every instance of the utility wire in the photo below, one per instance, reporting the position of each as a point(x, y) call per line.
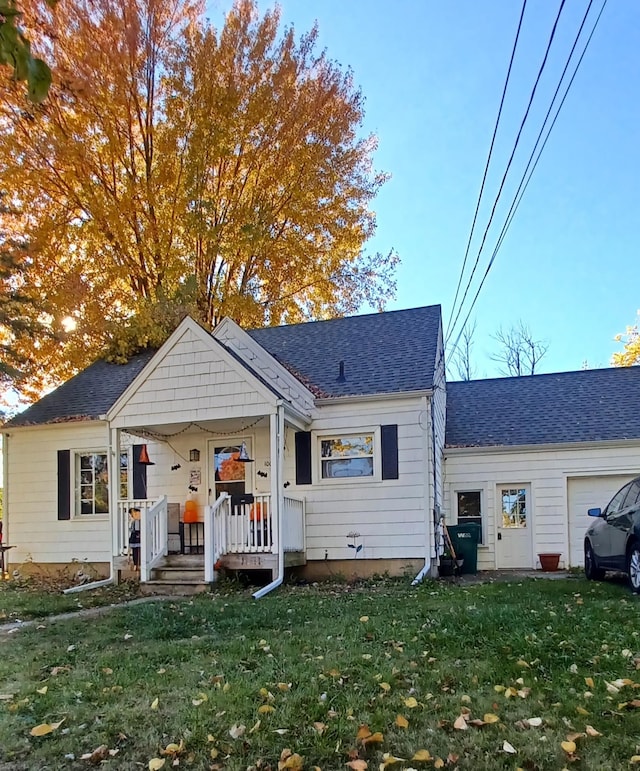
point(504, 177)
point(524, 184)
point(486, 168)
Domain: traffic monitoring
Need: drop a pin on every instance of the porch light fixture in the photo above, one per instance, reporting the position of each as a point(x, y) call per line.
point(194, 455)
point(243, 455)
point(143, 460)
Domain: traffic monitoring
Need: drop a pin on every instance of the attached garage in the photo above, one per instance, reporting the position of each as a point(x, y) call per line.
point(585, 493)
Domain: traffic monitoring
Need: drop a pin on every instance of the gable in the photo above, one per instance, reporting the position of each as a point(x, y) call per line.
point(192, 378)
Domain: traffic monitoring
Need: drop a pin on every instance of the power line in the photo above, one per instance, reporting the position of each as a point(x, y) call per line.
point(486, 168)
point(524, 184)
point(504, 177)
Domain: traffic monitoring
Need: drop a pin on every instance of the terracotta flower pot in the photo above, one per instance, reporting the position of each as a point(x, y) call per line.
point(549, 561)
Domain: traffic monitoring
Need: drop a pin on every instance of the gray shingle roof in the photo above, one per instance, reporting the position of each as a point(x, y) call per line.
point(585, 406)
point(86, 396)
point(382, 352)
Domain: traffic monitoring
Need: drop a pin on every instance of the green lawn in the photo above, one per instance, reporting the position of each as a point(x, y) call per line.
point(336, 675)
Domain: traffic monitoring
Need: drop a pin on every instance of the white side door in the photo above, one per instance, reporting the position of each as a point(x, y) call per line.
point(513, 526)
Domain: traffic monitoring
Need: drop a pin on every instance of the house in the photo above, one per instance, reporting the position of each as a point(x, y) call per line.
point(319, 445)
point(342, 420)
point(525, 457)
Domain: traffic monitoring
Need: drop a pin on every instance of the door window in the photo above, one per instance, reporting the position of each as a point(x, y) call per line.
point(514, 507)
point(229, 471)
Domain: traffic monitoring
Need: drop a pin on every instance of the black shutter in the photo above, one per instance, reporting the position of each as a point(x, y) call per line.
point(139, 474)
point(64, 484)
point(389, 451)
point(303, 457)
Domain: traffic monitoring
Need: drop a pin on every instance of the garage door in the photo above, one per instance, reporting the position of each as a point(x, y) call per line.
point(588, 493)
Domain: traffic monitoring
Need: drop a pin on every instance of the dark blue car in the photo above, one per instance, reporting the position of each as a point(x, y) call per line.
point(612, 541)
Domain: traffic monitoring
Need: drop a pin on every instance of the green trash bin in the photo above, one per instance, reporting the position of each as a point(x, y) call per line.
point(465, 541)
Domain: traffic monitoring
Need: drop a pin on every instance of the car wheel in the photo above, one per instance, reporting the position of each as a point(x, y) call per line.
point(633, 566)
point(591, 569)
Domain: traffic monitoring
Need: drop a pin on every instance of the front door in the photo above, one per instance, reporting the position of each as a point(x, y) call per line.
point(514, 526)
point(229, 473)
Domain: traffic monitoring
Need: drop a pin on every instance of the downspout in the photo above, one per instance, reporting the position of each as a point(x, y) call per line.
point(279, 504)
point(5, 492)
point(112, 487)
point(424, 571)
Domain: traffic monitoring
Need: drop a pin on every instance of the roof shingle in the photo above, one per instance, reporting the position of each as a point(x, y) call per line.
point(584, 406)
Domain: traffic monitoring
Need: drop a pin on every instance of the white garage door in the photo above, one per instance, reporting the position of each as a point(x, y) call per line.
point(588, 493)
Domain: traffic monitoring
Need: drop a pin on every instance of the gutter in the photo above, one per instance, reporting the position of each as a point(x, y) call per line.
point(280, 505)
point(424, 571)
point(386, 395)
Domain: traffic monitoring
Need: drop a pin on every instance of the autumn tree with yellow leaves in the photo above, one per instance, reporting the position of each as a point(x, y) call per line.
point(177, 168)
point(630, 353)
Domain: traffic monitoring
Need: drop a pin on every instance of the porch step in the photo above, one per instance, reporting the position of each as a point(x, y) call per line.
point(177, 574)
point(181, 588)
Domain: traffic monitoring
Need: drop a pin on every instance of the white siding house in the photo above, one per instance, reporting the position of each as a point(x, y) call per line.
point(528, 456)
point(339, 423)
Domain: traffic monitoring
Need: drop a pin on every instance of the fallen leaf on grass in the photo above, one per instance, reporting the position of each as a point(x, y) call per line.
point(155, 764)
point(42, 690)
point(290, 760)
point(569, 747)
point(154, 703)
point(411, 702)
point(45, 728)
point(365, 736)
point(422, 755)
point(438, 763)
point(460, 723)
point(589, 682)
point(319, 727)
point(98, 755)
point(364, 619)
point(582, 711)
point(490, 717)
point(236, 731)
point(509, 748)
point(265, 709)
point(402, 722)
point(389, 760)
point(591, 731)
point(358, 764)
point(634, 759)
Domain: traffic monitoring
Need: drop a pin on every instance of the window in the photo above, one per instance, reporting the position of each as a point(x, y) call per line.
point(230, 473)
point(124, 475)
point(347, 456)
point(514, 507)
point(633, 495)
point(92, 483)
point(470, 508)
point(616, 502)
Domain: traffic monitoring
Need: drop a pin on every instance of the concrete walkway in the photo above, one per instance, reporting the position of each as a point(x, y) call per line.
point(14, 626)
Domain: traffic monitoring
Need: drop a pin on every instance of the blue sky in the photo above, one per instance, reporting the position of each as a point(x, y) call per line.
point(432, 73)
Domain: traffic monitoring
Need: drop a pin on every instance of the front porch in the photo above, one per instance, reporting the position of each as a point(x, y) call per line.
point(237, 535)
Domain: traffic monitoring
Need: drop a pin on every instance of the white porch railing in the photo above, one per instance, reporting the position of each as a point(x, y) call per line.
point(215, 533)
point(294, 524)
point(154, 537)
point(123, 522)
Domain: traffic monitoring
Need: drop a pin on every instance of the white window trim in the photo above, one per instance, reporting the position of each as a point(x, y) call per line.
point(316, 455)
point(75, 485)
point(129, 453)
point(483, 513)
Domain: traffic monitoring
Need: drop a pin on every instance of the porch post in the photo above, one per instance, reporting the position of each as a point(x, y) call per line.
point(114, 491)
point(275, 479)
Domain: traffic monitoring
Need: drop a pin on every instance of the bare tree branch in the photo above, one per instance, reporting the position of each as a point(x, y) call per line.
point(520, 353)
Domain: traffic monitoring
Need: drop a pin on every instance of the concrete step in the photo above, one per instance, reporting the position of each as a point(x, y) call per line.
point(171, 573)
point(171, 587)
point(183, 560)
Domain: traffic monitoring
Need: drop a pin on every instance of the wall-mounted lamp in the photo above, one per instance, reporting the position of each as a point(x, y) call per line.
point(194, 455)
